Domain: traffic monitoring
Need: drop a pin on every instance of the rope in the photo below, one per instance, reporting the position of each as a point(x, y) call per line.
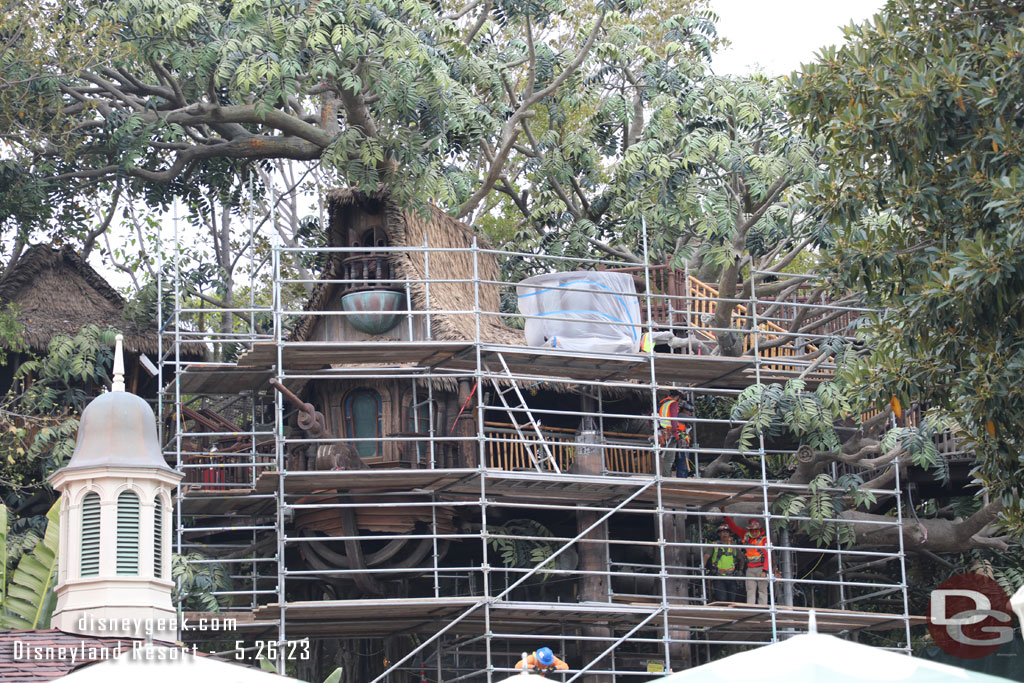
point(464, 406)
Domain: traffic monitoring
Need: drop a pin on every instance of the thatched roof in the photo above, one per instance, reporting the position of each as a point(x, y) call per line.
point(57, 292)
point(441, 231)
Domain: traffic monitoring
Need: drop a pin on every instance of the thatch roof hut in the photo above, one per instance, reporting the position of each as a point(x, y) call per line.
point(351, 211)
point(57, 292)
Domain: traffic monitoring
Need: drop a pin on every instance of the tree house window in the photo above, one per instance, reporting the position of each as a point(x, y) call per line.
point(364, 417)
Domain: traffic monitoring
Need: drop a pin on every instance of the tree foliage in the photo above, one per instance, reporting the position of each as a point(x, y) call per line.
point(525, 552)
point(40, 412)
point(423, 98)
point(921, 111)
point(552, 129)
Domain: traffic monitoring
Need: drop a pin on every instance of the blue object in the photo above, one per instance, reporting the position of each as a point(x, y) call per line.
point(545, 656)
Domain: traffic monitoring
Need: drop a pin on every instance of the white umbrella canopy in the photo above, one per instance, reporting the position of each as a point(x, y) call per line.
point(818, 657)
point(525, 678)
point(162, 664)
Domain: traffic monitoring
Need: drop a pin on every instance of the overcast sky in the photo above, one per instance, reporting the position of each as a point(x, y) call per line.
point(779, 35)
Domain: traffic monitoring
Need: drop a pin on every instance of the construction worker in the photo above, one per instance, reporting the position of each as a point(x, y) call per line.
point(756, 555)
point(674, 433)
point(725, 560)
point(542, 661)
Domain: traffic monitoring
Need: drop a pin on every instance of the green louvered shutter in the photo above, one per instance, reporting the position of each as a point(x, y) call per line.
point(90, 565)
point(128, 534)
point(158, 538)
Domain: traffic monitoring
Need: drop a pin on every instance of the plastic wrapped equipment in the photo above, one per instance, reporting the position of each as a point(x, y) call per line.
point(581, 311)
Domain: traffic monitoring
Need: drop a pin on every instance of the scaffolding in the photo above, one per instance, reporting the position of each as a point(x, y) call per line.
point(544, 513)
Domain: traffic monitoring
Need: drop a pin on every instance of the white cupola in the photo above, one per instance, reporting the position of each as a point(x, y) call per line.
point(114, 566)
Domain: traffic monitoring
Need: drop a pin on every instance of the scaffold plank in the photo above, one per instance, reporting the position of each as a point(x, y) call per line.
point(518, 485)
point(240, 502)
point(355, 480)
point(219, 378)
point(385, 617)
point(306, 355)
point(680, 369)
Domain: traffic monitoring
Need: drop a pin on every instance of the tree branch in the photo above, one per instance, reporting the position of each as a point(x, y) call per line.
point(510, 131)
point(90, 239)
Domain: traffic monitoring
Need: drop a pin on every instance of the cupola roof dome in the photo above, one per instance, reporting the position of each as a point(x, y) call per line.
point(117, 429)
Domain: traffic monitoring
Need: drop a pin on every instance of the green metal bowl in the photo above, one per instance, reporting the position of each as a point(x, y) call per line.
point(375, 311)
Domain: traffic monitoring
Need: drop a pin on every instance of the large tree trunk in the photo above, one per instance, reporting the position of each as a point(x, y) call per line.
point(677, 556)
point(593, 552)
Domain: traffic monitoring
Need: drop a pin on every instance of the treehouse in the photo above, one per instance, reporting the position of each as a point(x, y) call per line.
point(425, 480)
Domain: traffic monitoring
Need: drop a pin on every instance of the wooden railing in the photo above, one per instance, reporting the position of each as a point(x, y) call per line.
point(703, 305)
point(372, 271)
point(225, 469)
point(506, 451)
point(682, 301)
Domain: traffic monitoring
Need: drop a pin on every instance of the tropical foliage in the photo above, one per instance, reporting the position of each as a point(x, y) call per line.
point(519, 543)
point(196, 579)
point(921, 114)
point(27, 585)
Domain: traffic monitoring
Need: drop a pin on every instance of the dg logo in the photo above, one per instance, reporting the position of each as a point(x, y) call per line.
point(969, 616)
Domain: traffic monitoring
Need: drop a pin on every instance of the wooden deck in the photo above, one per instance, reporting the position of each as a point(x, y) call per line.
point(386, 617)
point(525, 362)
point(465, 484)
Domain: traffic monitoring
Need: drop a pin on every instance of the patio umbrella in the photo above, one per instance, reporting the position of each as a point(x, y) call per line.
point(818, 657)
point(162, 664)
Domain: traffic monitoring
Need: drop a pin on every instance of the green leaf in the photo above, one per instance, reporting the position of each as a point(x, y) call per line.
point(30, 598)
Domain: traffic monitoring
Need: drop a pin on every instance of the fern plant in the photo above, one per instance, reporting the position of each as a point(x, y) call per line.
point(41, 411)
point(516, 542)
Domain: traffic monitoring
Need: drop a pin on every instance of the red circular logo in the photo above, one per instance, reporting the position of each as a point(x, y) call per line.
point(969, 616)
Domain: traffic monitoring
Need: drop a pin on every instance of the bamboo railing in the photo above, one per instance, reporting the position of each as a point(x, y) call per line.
point(506, 451)
point(682, 300)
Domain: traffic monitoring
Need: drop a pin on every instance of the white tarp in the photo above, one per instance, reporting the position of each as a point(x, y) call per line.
point(581, 311)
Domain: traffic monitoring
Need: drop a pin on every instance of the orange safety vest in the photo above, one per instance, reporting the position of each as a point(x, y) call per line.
point(755, 556)
point(667, 409)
